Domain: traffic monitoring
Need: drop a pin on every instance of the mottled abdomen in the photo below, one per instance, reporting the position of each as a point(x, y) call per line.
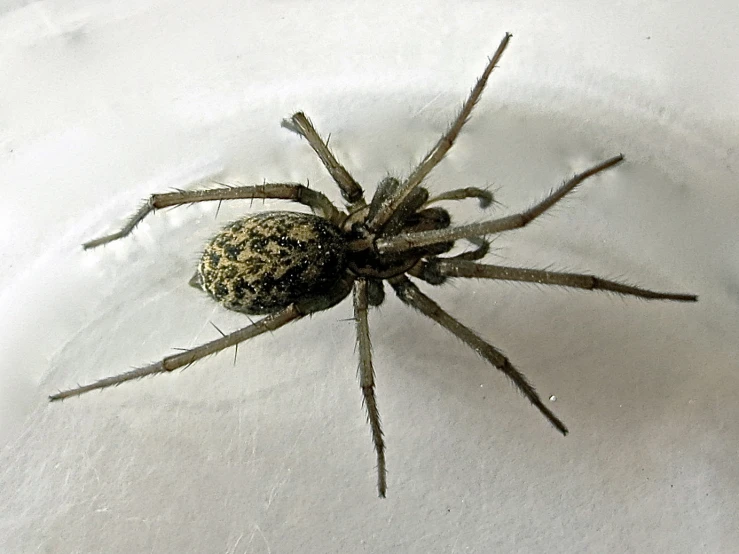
point(265, 262)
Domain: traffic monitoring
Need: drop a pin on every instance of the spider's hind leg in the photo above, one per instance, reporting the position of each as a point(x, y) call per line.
point(187, 357)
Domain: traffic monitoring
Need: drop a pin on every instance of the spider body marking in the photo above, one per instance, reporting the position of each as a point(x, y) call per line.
point(286, 265)
point(263, 263)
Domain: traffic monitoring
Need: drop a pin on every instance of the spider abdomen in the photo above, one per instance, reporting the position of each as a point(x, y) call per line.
point(265, 262)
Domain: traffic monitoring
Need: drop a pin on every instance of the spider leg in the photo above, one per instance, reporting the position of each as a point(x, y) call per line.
point(411, 295)
point(270, 323)
point(440, 268)
point(367, 380)
point(281, 191)
point(350, 189)
point(375, 223)
point(405, 241)
point(187, 357)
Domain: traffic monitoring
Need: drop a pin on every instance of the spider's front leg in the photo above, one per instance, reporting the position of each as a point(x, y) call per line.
point(278, 191)
point(406, 241)
point(439, 150)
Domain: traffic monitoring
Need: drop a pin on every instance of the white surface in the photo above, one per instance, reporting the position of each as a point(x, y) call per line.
point(102, 104)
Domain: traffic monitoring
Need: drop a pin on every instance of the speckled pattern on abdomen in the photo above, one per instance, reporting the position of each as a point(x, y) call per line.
point(265, 262)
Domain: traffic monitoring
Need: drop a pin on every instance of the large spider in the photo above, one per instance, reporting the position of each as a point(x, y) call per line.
point(286, 265)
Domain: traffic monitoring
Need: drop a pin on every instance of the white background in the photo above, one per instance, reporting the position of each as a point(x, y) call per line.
point(102, 103)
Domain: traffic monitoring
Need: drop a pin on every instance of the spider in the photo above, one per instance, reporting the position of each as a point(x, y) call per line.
point(287, 265)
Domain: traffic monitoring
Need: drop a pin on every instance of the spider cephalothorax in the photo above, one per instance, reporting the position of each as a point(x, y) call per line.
point(287, 265)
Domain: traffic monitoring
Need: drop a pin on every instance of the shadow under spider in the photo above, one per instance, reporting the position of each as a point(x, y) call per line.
point(286, 265)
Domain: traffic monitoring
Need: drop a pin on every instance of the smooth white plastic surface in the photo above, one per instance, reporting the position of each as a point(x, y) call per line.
point(102, 103)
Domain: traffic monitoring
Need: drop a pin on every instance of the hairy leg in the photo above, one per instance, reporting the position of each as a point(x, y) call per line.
point(274, 321)
point(443, 145)
point(406, 241)
point(367, 380)
point(438, 268)
point(187, 357)
point(281, 191)
point(411, 295)
point(350, 189)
